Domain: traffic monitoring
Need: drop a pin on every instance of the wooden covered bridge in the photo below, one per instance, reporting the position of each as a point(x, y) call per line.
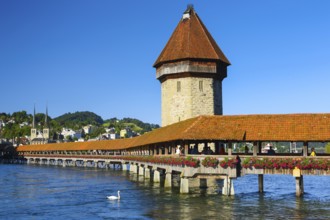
point(155, 152)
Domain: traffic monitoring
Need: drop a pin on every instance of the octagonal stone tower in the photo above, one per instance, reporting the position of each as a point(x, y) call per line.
point(190, 68)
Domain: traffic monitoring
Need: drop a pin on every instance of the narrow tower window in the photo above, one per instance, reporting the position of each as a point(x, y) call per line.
point(178, 86)
point(201, 86)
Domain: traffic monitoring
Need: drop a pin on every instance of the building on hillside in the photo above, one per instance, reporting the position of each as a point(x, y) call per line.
point(111, 133)
point(110, 136)
point(23, 124)
point(2, 124)
point(88, 129)
point(11, 121)
point(114, 136)
point(80, 140)
point(126, 133)
point(190, 69)
point(111, 130)
point(69, 133)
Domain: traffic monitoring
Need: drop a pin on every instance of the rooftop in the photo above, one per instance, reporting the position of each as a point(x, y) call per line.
point(191, 40)
point(278, 127)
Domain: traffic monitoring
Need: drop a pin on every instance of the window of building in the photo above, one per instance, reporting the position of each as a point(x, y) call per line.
point(201, 86)
point(178, 86)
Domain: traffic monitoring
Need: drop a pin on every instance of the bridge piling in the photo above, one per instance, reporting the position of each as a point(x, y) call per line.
point(228, 187)
point(261, 183)
point(168, 179)
point(184, 185)
point(147, 173)
point(133, 168)
point(156, 178)
point(124, 167)
point(299, 186)
point(141, 170)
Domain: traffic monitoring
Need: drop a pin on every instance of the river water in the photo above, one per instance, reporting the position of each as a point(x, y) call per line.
point(50, 192)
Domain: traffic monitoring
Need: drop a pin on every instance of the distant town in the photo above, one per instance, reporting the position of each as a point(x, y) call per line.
point(20, 128)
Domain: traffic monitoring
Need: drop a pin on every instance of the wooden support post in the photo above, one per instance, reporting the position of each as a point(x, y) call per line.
point(302, 184)
point(255, 148)
point(230, 148)
point(166, 150)
point(261, 183)
point(299, 186)
point(305, 149)
point(222, 149)
point(259, 147)
point(186, 148)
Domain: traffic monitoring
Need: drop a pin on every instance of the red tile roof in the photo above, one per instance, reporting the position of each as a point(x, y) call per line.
point(191, 40)
point(281, 127)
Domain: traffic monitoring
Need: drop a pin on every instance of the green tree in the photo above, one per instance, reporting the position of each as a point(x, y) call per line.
point(21, 116)
point(4, 117)
point(25, 131)
point(97, 132)
point(69, 138)
point(11, 130)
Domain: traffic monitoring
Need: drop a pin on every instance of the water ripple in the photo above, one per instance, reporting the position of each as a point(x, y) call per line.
point(46, 192)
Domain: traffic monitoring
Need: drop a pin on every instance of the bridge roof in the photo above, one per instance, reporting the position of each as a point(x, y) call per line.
point(279, 127)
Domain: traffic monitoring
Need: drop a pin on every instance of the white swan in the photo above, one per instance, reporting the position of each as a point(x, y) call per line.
point(114, 197)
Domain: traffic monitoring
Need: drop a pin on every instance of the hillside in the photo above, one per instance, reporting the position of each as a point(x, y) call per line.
point(73, 121)
point(79, 119)
point(135, 124)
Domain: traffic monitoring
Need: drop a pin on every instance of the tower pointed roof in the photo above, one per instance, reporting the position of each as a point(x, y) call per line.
point(191, 40)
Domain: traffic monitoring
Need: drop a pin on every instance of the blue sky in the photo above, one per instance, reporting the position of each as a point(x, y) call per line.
point(84, 55)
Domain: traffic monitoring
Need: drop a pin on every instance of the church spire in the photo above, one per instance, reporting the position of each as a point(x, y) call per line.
point(34, 117)
point(46, 116)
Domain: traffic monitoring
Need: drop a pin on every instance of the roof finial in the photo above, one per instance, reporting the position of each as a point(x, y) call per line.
point(186, 14)
point(190, 7)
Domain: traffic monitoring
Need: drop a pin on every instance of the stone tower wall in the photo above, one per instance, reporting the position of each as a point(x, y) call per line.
point(188, 97)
